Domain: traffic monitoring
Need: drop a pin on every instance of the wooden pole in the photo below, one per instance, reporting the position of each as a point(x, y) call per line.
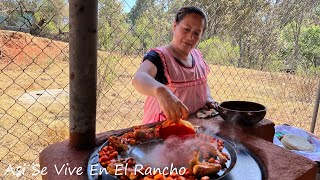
point(315, 111)
point(83, 72)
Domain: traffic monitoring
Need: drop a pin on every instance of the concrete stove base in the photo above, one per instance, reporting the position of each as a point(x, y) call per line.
point(278, 163)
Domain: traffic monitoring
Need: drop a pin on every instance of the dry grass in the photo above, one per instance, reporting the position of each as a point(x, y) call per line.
point(32, 118)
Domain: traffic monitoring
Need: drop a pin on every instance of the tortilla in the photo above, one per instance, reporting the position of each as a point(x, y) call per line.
point(206, 113)
point(294, 142)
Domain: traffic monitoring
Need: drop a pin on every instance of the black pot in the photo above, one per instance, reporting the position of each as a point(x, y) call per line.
point(242, 112)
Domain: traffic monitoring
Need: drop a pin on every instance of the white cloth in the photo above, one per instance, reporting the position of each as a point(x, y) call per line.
point(313, 139)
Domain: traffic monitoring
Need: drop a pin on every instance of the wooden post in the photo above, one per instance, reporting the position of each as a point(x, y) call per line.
point(83, 72)
point(315, 111)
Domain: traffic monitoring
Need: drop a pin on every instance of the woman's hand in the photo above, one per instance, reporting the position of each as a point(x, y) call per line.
point(145, 83)
point(212, 105)
point(171, 106)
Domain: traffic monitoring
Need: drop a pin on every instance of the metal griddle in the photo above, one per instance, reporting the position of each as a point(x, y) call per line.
point(139, 153)
point(242, 164)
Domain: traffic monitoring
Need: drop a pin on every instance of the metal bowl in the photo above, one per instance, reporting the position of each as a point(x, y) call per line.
point(242, 112)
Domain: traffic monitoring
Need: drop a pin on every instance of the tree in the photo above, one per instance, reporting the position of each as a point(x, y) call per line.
point(18, 14)
point(301, 13)
point(310, 45)
point(217, 51)
point(218, 13)
point(153, 26)
point(40, 16)
point(51, 17)
point(140, 8)
point(114, 32)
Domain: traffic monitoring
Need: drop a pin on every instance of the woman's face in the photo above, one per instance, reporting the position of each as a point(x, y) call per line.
point(187, 33)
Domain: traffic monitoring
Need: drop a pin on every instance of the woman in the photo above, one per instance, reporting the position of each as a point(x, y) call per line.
point(174, 77)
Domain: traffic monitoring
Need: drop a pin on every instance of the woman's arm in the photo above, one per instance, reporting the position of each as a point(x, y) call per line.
point(145, 83)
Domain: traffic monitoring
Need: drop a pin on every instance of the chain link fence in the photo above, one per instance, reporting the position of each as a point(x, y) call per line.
point(263, 51)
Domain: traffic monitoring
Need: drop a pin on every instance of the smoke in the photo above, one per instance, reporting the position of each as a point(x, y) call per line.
point(207, 128)
point(173, 150)
point(176, 151)
point(210, 128)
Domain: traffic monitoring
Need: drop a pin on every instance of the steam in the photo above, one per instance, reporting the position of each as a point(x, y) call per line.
point(175, 151)
point(172, 151)
point(211, 129)
point(207, 128)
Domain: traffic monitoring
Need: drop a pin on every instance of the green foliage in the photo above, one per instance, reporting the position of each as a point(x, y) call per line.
point(106, 73)
point(139, 9)
point(54, 13)
point(263, 35)
point(217, 51)
point(150, 34)
point(275, 65)
point(310, 45)
point(114, 33)
point(287, 39)
point(315, 71)
point(17, 13)
point(153, 26)
point(145, 32)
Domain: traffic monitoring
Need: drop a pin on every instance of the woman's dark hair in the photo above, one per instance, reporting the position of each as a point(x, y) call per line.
point(182, 12)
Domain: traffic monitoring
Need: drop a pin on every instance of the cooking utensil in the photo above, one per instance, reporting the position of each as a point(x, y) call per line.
point(242, 112)
point(140, 154)
point(246, 165)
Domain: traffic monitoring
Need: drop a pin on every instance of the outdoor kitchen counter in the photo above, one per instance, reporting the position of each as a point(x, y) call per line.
point(278, 163)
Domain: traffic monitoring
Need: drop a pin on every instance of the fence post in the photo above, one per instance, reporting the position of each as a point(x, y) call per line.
point(83, 72)
point(315, 111)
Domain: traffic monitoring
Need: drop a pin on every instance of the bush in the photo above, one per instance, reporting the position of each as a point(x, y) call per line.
point(217, 51)
point(106, 71)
